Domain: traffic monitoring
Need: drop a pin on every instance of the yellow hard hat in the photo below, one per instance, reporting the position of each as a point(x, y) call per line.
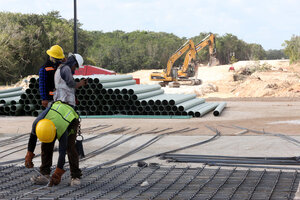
point(45, 130)
point(56, 52)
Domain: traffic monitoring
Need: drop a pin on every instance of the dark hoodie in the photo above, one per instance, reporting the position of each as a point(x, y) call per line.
point(66, 72)
point(46, 79)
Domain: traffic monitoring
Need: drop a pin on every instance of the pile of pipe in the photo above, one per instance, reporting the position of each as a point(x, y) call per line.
point(19, 102)
point(212, 159)
point(112, 95)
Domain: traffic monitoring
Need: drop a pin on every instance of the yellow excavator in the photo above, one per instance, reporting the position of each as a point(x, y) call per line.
point(188, 70)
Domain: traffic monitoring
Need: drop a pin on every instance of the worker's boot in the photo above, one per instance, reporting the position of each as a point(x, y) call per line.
point(75, 181)
point(40, 179)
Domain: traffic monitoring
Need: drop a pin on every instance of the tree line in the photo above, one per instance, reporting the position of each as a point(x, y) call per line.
point(24, 39)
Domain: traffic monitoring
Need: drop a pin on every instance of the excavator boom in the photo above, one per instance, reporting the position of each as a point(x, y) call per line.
point(209, 41)
point(186, 46)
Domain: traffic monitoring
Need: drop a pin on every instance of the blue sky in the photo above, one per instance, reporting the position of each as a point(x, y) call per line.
point(266, 22)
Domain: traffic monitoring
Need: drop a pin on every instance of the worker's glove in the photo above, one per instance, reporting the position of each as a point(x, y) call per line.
point(28, 159)
point(56, 176)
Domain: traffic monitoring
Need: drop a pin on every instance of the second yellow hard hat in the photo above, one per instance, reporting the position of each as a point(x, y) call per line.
point(56, 52)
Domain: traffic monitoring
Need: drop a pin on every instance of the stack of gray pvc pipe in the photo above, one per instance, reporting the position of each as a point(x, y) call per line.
point(10, 101)
point(110, 95)
point(119, 94)
point(32, 99)
point(16, 101)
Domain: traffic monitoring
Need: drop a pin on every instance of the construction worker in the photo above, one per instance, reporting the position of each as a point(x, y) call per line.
point(65, 84)
point(59, 121)
point(46, 74)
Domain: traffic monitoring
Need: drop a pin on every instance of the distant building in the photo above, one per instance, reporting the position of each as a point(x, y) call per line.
point(90, 70)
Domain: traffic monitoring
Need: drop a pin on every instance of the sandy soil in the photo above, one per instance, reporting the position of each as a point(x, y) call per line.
point(278, 80)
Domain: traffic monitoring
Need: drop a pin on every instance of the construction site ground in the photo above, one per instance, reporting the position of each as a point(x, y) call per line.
point(267, 101)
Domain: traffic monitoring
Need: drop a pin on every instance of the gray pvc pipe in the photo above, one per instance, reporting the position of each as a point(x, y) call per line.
point(33, 80)
point(23, 96)
point(35, 113)
point(31, 85)
point(11, 90)
point(21, 101)
point(137, 89)
point(7, 108)
point(34, 91)
point(147, 94)
point(177, 99)
point(195, 109)
point(126, 97)
point(27, 101)
point(190, 103)
point(16, 113)
point(107, 78)
point(118, 84)
point(207, 109)
point(219, 109)
point(10, 100)
point(11, 94)
point(171, 99)
point(30, 96)
point(34, 101)
point(16, 107)
point(151, 100)
point(37, 96)
point(28, 91)
point(29, 107)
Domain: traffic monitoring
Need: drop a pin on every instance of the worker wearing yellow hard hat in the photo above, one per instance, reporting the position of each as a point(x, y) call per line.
point(46, 74)
point(59, 121)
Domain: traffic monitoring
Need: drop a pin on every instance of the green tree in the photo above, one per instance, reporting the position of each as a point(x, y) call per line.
point(273, 54)
point(257, 52)
point(24, 39)
point(292, 48)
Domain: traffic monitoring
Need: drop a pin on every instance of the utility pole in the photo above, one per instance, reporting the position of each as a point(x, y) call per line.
point(75, 27)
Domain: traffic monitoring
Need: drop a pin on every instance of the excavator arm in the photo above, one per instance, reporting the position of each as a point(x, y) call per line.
point(186, 46)
point(209, 41)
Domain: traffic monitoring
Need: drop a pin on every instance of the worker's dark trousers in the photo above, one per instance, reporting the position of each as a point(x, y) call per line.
point(73, 157)
point(47, 153)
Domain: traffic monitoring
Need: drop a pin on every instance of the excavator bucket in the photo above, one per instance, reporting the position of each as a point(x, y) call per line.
point(213, 61)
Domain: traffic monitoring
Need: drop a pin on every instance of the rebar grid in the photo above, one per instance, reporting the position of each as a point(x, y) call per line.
point(221, 185)
point(163, 183)
point(205, 183)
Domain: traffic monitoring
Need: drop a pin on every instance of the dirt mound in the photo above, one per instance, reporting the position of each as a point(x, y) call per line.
point(267, 81)
point(264, 78)
point(22, 83)
point(269, 84)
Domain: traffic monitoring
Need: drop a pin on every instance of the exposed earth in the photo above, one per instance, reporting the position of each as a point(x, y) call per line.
point(265, 78)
